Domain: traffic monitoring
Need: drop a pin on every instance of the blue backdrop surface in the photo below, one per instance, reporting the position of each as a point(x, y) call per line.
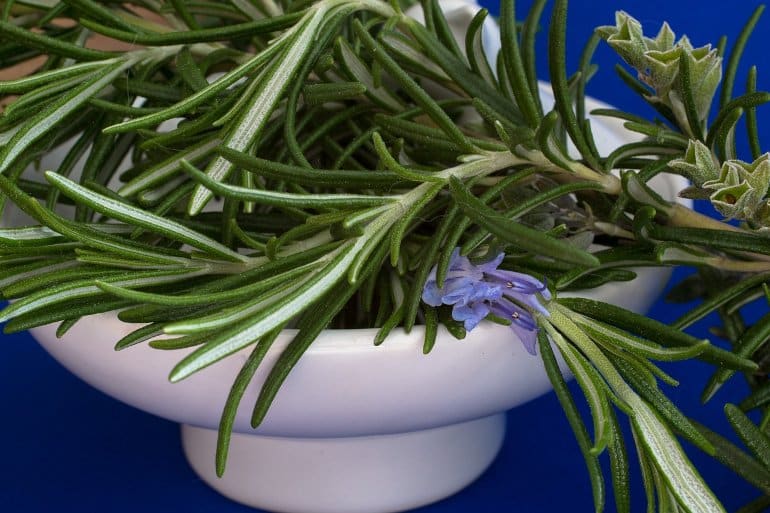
point(68, 448)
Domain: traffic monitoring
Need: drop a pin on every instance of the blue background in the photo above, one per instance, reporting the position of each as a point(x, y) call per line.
point(67, 447)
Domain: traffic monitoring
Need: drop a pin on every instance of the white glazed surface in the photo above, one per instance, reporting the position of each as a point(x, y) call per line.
point(370, 474)
point(343, 385)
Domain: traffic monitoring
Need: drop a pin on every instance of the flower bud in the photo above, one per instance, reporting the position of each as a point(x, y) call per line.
point(698, 164)
point(740, 192)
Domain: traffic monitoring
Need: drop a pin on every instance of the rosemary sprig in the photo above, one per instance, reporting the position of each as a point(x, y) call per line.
point(359, 156)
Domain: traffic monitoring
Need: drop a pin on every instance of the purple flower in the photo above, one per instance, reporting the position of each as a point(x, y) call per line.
point(522, 322)
point(470, 315)
point(475, 291)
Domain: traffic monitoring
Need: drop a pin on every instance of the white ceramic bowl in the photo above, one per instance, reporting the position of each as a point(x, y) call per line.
point(362, 428)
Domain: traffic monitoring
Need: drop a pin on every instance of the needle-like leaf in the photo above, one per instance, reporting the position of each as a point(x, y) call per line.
point(138, 217)
point(59, 111)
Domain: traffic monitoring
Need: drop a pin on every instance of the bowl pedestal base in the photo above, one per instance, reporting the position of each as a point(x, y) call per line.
point(367, 474)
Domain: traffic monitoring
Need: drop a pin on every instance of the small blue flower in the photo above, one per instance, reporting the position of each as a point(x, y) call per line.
point(470, 315)
point(522, 323)
point(463, 284)
point(475, 291)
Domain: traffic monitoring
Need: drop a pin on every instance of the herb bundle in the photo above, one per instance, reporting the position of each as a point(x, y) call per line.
point(250, 165)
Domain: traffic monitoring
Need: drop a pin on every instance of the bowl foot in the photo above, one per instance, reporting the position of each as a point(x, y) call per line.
point(367, 474)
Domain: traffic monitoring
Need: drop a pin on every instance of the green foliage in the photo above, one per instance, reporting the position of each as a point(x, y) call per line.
point(247, 166)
